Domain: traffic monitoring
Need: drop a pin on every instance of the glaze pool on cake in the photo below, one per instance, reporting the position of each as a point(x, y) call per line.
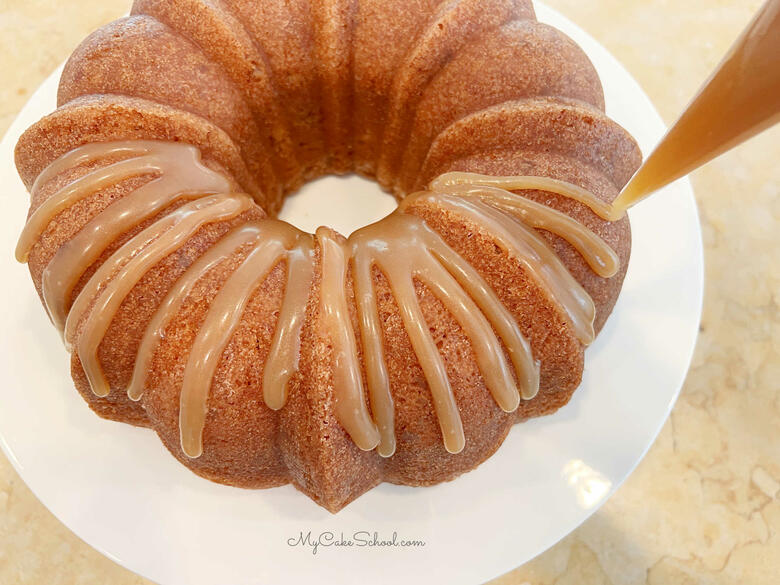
point(263, 355)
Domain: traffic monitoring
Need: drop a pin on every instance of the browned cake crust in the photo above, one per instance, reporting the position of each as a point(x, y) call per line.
point(398, 91)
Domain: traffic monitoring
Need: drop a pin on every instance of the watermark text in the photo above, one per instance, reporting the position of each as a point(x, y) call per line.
point(358, 539)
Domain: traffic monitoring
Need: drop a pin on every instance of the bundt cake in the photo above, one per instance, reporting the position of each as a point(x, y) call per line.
point(262, 355)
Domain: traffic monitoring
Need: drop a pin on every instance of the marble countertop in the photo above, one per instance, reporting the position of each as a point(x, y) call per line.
point(704, 504)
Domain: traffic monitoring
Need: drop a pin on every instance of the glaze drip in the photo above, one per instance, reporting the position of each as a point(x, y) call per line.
point(402, 247)
point(116, 277)
point(350, 402)
point(179, 175)
point(527, 247)
point(155, 330)
point(530, 182)
point(275, 241)
point(596, 252)
point(405, 249)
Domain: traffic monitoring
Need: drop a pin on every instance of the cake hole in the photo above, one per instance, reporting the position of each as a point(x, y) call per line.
point(344, 203)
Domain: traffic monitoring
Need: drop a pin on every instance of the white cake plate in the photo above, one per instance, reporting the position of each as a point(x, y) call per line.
point(117, 488)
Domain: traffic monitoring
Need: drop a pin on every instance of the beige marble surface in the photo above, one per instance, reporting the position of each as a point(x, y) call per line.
point(704, 505)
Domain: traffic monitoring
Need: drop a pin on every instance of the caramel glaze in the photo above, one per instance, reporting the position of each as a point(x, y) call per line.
point(402, 246)
point(180, 176)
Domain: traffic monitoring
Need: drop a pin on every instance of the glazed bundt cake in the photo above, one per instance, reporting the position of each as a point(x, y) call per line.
point(262, 355)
